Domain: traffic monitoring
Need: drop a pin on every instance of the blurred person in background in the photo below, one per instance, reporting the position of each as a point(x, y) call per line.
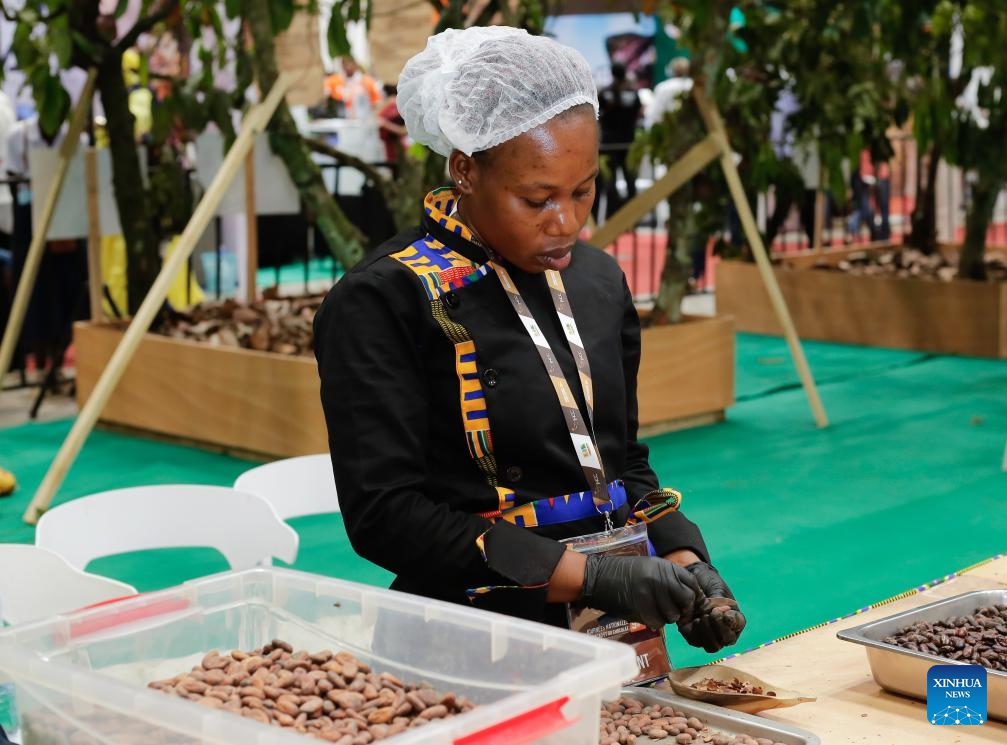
point(391, 125)
point(668, 94)
point(358, 92)
point(619, 113)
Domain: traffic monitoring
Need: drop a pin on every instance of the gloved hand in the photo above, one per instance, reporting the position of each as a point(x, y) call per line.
point(718, 623)
point(646, 589)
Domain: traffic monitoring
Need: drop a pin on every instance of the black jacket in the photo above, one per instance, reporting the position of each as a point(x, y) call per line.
point(408, 488)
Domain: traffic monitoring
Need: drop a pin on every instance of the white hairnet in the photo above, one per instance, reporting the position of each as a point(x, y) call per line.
point(475, 88)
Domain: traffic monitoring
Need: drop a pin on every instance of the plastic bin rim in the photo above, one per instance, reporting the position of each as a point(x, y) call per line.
point(427, 608)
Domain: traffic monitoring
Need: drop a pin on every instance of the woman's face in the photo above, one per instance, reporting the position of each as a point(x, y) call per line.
point(528, 198)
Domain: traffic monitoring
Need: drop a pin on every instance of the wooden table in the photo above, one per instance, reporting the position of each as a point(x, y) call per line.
point(851, 707)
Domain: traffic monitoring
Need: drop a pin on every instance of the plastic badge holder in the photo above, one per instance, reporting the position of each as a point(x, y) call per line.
point(651, 653)
point(81, 678)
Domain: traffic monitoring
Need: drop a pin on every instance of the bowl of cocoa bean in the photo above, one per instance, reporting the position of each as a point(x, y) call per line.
point(731, 688)
point(967, 629)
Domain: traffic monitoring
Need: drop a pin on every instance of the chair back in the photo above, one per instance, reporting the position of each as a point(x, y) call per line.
point(294, 486)
point(242, 526)
point(38, 583)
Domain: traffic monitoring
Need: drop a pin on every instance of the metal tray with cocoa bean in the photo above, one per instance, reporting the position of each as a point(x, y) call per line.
point(674, 720)
point(967, 629)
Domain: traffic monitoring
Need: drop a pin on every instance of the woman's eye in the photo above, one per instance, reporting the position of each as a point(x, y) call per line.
point(582, 194)
point(534, 205)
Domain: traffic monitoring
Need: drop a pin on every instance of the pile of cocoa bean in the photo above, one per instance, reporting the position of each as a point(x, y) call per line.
point(272, 324)
point(623, 721)
point(730, 686)
point(909, 262)
point(980, 638)
point(333, 697)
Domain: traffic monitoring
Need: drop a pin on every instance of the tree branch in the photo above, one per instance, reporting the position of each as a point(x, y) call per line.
point(345, 159)
point(146, 24)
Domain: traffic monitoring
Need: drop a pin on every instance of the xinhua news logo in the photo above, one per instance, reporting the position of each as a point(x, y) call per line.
point(956, 694)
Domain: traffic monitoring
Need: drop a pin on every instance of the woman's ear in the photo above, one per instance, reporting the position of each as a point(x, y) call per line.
point(461, 167)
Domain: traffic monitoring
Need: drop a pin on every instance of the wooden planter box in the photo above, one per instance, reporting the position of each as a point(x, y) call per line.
point(963, 317)
point(686, 374)
point(264, 404)
point(236, 399)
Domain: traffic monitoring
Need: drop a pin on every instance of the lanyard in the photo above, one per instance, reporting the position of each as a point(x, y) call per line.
point(581, 432)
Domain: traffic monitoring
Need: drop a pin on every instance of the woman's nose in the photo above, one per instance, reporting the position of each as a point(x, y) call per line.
point(563, 221)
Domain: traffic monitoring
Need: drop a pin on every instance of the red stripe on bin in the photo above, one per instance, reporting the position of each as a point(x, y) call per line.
point(524, 728)
point(88, 626)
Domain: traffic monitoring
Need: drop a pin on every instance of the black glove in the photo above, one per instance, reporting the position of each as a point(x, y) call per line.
point(718, 623)
point(646, 589)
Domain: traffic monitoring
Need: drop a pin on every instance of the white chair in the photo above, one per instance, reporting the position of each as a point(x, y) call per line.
point(37, 583)
point(243, 527)
point(294, 486)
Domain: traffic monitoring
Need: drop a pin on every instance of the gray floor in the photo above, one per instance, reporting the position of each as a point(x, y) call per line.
point(16, 404)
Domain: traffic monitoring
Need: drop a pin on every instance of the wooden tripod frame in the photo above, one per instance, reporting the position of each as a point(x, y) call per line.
point(255, 122)
point(717, 146)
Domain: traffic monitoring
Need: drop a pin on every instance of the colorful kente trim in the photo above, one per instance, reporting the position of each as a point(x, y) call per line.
point(473, 593)
point(556, 510)
point(441, 270)
point(655, 505)
point(439, 204)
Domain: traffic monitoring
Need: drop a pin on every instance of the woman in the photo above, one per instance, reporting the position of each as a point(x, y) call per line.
point(473, 367)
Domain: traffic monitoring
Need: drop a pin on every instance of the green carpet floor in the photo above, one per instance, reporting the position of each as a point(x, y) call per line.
point(807, 525)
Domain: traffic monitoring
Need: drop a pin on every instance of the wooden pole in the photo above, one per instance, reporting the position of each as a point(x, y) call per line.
point(251, 228)
point(716, 128)
point(819, 228)
point(78, 120)
point(94, 278)
point(695, 160)
point(255, 122)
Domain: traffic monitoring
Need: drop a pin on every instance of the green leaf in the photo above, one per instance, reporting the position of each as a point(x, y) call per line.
point(25, 48)
point(217, 105)
point(120, 7)
point(53, 105)
point(217, 24)
point(355, 12)
point(281, 13)
point(163, 118)
point(244, 74)
point(339, 44)
point(60, 40)
point(232, 8)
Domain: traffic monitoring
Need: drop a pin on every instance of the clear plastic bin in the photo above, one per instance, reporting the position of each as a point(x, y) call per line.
point(80, 679)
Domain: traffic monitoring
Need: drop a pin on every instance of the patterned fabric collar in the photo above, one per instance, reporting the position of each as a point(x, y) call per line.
point(439, 223)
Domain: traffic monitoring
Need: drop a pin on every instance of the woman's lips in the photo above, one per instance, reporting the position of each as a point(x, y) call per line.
point(557, 258)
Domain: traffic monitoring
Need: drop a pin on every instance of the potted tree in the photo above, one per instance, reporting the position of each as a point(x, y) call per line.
point(879, 301)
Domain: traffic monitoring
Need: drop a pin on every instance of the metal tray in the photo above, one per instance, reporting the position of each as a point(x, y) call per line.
point(904, 671)
point(724, 720)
